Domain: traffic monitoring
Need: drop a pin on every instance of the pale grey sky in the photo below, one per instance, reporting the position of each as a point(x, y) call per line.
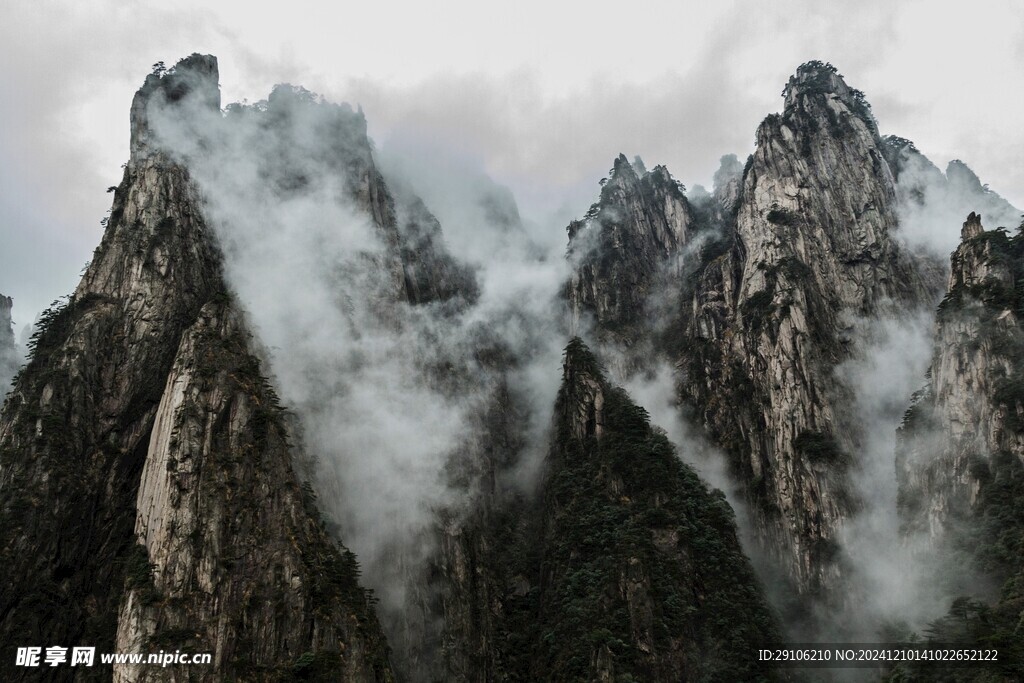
point(542, 95)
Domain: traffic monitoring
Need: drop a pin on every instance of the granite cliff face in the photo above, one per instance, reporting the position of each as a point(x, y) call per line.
point(963, 423)
point(960, 454)
point(793, 255)
point(622, 250)
point(150, 497)
point(815, 249)
point(9, 359)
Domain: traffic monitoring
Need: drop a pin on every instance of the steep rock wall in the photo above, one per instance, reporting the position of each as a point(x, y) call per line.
point(84, 424)
point(791, 255)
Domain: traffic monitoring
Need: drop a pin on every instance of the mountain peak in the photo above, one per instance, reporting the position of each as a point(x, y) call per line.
point(813, 78)
point(972, 226)
point(622, 165)
point(959, 173)
point(6, 330)
point(815, 83)
point(194, 74)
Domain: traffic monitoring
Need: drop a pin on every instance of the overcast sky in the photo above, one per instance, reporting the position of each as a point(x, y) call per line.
point(541, 95)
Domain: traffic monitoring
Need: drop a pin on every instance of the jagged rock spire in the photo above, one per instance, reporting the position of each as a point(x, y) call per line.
point(627, 240)
point(972, 226)
point(6, 331)
point(196, 76)
point(8, 349)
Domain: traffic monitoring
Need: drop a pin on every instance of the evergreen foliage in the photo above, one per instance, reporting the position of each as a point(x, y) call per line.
point(991, 538)
point(623, 511)
point(820, 448)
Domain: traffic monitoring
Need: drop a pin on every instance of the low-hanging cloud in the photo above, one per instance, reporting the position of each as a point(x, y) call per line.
point(899, 581)
point(932, 204)
point(369, 375)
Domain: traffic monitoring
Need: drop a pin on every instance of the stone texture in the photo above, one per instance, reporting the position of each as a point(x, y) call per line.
point(242, 566)
point(791, 253)
point(119, 411)
point(967, 413)
point(622, 248)
point(9, 357)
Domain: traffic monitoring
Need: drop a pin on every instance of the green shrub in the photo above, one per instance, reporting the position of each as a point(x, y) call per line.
point(819, 448)
point(781, 216)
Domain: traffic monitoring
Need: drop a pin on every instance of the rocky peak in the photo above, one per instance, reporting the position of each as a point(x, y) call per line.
point(333, 133)
point(813, 78)
point(818, 88)
point(6, 329)
point(972, 227)
point(8, 350)
point(196, 76)
point(815, 248)
point(966, 422)
point(147, 481)
point(728, 182)
point(620, 164)
point(821, 190)
point(298, 143)
point(979, 266)
point(960, 175)
point(960, 447)
point(612, 480)
point(818, 100)
point(626, 241)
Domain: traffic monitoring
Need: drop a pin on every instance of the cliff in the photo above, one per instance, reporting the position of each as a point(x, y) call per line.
point(815, 249)
point(641, 572)
point(623, 248)
point(960, 458)
point(794, 252)
point(9, 357)
point(150, 497)
point(627, 567)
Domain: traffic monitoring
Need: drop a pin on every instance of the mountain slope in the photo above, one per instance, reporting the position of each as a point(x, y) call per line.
point(791, 256)
point(624, 566)
point(619, 250)
point(960, 459)
point(641, 574)
point(137, 453)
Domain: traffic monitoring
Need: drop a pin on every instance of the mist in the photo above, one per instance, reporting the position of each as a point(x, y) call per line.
point(889, 587)
point(933, 204)
point(658, 392)
point(389, 393)
point(386, 393)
